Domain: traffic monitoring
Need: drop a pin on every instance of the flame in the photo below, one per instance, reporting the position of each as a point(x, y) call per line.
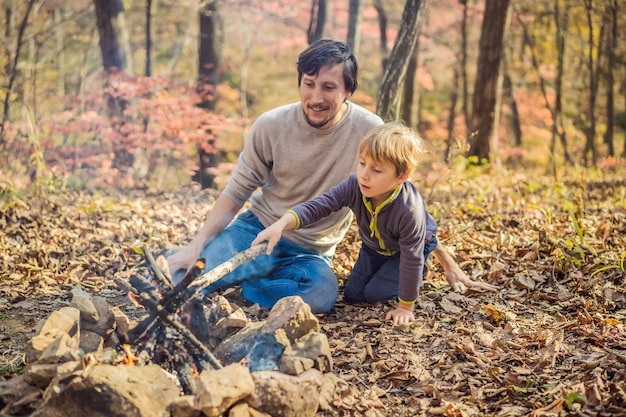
point(134, 299)
point(130, 357)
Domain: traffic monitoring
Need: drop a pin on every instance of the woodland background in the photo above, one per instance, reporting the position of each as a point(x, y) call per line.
point(157, 93)
point(121, 120)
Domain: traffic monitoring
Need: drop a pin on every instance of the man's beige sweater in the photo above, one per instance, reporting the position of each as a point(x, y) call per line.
point(290, 162)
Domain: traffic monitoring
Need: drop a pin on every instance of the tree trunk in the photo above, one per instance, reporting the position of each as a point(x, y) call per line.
point(59, 32)
point(8, 18)
point(114, 40)
point(13, 68)
point(354, 26)
point(206, 86)
point(464, 78)
point(389, 95)
point(317, 22)
point(594, 67)
point(485, 87)
point(208, 61)
point(454, 97)
point(382, 26)
point(624, 125)
point(29, 92)
point(409, 88)
point(497, 112)
point(116, 58)
point(611, 47)
point(148, 70)
point(516, 127)
point(557, 127)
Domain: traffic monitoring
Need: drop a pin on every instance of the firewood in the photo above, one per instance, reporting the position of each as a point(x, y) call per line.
point(162, 277)
point(170, 320)
point(167, 308)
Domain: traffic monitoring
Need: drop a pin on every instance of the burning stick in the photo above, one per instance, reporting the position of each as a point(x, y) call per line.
point(163, 277)
point(187, 289)
point(219, 271)
point(189, 337)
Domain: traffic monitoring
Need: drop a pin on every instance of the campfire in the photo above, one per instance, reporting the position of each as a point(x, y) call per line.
point(188, 354)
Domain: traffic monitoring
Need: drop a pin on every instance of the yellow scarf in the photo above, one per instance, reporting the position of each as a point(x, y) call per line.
point(374, 232)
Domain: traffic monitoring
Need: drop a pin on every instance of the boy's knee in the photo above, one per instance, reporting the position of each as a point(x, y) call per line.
point(351, 295)
point(375, 295)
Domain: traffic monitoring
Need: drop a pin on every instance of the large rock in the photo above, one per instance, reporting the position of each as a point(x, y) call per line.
point(282, 395)
point(105, 324)
point(110, 391)
point(311, 351)
point(64, 322)
point(217, 390)
point(260, 345)
point(292, 316)
point(41, 374)
point(82, 301)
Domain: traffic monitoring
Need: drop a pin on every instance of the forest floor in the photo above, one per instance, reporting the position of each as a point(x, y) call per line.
point(551, 342)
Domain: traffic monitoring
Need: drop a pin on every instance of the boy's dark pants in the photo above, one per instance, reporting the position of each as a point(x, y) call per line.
point(376, 277)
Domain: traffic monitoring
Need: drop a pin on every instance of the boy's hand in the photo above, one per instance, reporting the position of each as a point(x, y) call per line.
point(401, 315)
point(272, 235)
point(456, 277)
point(459, 281)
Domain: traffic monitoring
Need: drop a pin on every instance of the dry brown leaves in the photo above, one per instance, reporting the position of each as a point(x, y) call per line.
point(51, 243)
point(551, 342)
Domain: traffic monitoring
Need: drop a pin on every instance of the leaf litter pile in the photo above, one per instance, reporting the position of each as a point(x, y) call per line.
point(551, 342)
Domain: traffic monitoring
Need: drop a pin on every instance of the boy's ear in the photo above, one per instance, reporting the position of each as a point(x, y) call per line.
point(404, 176)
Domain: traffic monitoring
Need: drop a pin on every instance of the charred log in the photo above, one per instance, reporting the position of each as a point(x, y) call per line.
point(180, 306)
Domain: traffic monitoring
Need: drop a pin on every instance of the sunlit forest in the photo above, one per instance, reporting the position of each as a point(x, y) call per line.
point(77, 108)
point(121, 122)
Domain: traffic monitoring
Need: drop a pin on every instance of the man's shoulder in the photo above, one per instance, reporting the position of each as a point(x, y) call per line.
point(275, 120)
point(280, 112)
point(363, 115)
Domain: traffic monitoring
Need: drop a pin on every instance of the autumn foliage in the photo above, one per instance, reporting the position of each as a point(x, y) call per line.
point(136, 131)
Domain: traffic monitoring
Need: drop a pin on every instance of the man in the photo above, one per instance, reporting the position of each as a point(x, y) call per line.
point(292, 154)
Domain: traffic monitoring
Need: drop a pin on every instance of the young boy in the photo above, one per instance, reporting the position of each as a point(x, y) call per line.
point(397, 232)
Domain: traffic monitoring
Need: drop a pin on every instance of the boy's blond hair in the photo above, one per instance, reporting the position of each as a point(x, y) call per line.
point(396, 143)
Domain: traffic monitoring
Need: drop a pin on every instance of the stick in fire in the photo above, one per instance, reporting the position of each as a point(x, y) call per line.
point(166, 309)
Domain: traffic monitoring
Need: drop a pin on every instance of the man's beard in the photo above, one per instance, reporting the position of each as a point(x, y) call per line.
point(321, 124)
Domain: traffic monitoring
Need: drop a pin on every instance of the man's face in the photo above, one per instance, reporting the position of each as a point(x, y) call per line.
point(323, 96)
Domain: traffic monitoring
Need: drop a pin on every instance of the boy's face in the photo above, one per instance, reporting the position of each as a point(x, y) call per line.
point(323, 96)
point(377, 180)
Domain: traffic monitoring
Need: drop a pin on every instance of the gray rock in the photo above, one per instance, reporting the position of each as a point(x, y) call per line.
point(217, 390)
point(110, 391)
point(281, 395)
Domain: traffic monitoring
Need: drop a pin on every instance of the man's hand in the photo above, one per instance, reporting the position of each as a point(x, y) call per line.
point(218, 218)
point(402, 314)
point(183, 259)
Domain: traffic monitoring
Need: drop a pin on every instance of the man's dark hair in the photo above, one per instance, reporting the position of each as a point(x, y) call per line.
point(324, 52)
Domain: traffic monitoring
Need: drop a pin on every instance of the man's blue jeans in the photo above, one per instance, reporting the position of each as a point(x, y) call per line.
point(375, 277)
point(289, 270)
